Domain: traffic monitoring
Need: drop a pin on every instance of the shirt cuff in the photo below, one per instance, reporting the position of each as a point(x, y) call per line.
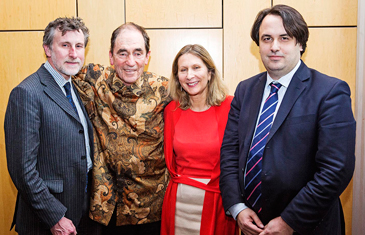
point(236, 209)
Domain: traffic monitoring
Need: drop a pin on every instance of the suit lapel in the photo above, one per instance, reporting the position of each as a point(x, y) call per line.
point(54, 92)
point(254, 106)
point(295, 89)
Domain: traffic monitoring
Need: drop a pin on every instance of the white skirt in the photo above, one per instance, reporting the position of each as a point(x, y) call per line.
point(189, 207)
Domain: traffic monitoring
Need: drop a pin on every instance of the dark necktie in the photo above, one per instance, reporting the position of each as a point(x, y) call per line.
point(67, 87)
point(254, 162)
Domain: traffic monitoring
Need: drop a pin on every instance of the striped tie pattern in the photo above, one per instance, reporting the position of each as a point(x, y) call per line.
point(67, 87)
point(254, 162)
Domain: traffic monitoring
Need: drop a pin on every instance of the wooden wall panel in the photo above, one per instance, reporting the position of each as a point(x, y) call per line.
point(101, 17)
point(165, 44)
point(325, 12)
point(33, 14)
point(18, 60)
point(358, 209)
point(333, 51)
point(241, 55)
point(175, 14)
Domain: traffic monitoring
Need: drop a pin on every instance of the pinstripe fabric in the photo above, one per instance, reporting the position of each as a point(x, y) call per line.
point(50, 178)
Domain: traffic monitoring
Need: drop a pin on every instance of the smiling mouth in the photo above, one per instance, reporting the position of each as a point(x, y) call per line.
point(192, 83)
point(72, 62)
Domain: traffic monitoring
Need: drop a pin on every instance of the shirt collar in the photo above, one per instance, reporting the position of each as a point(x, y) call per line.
point(135, 88)
point(284, 80)
point(60, 80)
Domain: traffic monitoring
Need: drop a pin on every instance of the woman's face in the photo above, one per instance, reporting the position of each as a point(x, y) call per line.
point(193, 75)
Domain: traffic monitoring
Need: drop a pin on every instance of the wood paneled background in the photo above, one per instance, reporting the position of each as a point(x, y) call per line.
point(222, 26)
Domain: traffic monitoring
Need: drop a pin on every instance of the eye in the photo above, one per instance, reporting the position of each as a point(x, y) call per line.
point(285, 38)
point(64, 45)
point(80, 46)
point(196, 67)
point(183, 70)
point(266, 39)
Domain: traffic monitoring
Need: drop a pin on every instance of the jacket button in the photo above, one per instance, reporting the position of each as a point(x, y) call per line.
point(81, 131)
point(83, 157)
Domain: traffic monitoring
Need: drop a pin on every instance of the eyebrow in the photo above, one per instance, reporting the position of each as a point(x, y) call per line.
point(125, 50)
point(269, 35)
point(121, 50)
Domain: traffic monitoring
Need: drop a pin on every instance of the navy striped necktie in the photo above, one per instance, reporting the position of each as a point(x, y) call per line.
point(254, 162)
point(67, 87)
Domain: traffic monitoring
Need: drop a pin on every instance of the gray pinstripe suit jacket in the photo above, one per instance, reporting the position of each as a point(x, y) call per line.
point(46, 154)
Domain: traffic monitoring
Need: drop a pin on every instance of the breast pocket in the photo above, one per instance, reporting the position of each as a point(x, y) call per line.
point(301, 119)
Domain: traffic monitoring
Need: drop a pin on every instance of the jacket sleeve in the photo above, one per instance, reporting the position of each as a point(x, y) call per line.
point(334, 162)
point(229, 163)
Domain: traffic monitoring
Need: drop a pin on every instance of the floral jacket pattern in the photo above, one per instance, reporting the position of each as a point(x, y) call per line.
point(129, 170)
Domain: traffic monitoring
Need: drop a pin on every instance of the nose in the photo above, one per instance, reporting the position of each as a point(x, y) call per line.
point(130, 60)
point(190, 74)
point(275, 45)
point(72, 52)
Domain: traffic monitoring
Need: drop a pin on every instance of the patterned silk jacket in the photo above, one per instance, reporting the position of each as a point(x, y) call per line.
point(129, 170)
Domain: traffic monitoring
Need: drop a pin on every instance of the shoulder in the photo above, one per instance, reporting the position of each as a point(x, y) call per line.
point(225, 105)
point(33, 81)
point(250, 82)
point(321, 82)
point(155, 79)
point(172, 106)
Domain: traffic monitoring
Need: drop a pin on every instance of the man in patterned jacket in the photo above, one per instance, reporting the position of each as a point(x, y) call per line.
point(125, 105)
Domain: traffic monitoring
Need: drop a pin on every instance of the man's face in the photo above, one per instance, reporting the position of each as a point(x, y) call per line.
point(129, 55)
point(68, 52)
point(279, 52)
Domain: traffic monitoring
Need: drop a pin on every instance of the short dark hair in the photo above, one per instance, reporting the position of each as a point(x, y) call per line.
point(64, 24)
point(293, 21)
point(117, 31)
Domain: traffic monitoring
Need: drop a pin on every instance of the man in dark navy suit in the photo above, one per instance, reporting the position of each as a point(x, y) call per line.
point(288, 149)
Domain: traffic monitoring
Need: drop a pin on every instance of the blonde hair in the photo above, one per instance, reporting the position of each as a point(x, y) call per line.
point(216, 92)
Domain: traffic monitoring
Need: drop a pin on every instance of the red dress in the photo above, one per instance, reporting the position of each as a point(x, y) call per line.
point(197, 161)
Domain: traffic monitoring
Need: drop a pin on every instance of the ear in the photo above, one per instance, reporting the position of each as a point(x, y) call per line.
point(47, 50)
point(111, 58)
point(209, 75)
point(147, 58)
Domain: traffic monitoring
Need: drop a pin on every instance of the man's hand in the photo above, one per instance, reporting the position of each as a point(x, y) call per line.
point(64, 227)
point(249, 222)
point(277, 226)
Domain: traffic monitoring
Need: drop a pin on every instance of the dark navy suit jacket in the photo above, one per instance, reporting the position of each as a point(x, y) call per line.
point(309, 157)
point(46, 155)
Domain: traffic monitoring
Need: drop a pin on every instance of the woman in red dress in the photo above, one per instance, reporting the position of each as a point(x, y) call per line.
point(194, 127)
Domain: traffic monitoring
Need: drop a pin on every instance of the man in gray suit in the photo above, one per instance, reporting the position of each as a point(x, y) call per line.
point(49, 139)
